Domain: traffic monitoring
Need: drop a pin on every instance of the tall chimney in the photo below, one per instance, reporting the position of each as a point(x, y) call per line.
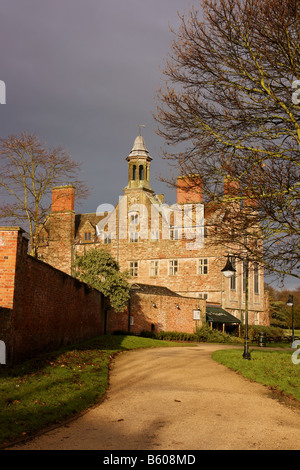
point(63, 198)
point(189, 189)
point(250, 203)
point(231, 188)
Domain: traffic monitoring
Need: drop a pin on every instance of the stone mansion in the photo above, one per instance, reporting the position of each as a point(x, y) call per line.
point(160, 245)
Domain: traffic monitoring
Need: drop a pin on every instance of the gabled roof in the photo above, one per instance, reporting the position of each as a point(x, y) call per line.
point(82, 219)
point(154, 290)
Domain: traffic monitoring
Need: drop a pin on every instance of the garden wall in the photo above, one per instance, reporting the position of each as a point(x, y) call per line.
point(41, 308)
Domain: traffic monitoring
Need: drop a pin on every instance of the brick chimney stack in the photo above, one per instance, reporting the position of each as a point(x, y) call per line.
point(61, 229)
point(231, 188)
point(250, 203)
point(63, 198)
point(189, 189)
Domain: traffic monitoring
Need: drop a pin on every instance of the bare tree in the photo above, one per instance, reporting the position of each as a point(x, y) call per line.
point(230, 103)
point(28, 172)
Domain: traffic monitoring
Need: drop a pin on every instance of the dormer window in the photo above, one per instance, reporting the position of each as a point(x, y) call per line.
point(43, 240)
point(134, 219)
point(87, 236)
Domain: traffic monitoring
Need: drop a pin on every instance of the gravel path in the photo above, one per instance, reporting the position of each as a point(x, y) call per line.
point(178, 399)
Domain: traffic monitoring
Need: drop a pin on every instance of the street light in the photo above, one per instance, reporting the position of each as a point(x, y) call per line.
point(290, 303)
point(228, 272)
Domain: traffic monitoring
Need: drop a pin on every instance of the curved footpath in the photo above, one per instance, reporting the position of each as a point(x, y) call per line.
point(178, 399)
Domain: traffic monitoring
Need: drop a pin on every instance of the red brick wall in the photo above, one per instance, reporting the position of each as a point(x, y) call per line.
point(48, 308)
point(189, 189)
point(10, 243)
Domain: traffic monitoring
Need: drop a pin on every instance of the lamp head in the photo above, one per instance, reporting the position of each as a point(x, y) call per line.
point(228, 270)
point(290, 301)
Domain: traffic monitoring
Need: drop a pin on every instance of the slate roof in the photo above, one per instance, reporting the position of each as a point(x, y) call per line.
point(154, 290)
point(92, 218)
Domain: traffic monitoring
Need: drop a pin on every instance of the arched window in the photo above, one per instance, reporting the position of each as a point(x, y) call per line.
point(141, 172)
point(134, 172)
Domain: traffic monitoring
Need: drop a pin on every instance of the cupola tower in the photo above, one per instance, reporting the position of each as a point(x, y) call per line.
point(139, 166)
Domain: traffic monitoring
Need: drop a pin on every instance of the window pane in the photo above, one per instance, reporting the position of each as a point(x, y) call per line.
point(134, 219)
point(154, 268)
point(107, 238)
point(141, 172)
point(133, 268)
point(203, 266)
point(174, 234)
point(173, 267)
point(133, 237)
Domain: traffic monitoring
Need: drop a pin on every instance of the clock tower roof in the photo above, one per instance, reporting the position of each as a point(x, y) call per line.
point(139, 149)
point(139, 166)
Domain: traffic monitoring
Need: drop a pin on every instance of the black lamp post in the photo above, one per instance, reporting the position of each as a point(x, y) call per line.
point(229, 271)
point(290, 303)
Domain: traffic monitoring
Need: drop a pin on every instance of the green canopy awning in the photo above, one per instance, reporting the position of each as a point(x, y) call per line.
point(219, 315)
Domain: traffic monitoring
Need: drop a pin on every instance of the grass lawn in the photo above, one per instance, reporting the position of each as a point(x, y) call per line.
point(56, 386)
point(272, 368)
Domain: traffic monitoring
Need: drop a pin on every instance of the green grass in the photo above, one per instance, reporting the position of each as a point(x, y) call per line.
point(272, 368)
point(56, 386)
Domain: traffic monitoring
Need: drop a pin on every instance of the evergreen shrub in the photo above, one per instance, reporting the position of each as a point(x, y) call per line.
point(205, 334)
point(273, 334)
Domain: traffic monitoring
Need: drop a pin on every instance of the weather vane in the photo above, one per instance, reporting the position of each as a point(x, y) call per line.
point(139, 126)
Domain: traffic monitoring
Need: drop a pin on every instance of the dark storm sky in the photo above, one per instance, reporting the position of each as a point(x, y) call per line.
point(83, 74)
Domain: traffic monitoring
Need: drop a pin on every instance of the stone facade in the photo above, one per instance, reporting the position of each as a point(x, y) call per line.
point(160, 245)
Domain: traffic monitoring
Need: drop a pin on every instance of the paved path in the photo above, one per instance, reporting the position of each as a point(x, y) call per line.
point(178, 399)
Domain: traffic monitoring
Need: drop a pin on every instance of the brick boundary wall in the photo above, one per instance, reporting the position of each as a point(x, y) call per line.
point(41, 308)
